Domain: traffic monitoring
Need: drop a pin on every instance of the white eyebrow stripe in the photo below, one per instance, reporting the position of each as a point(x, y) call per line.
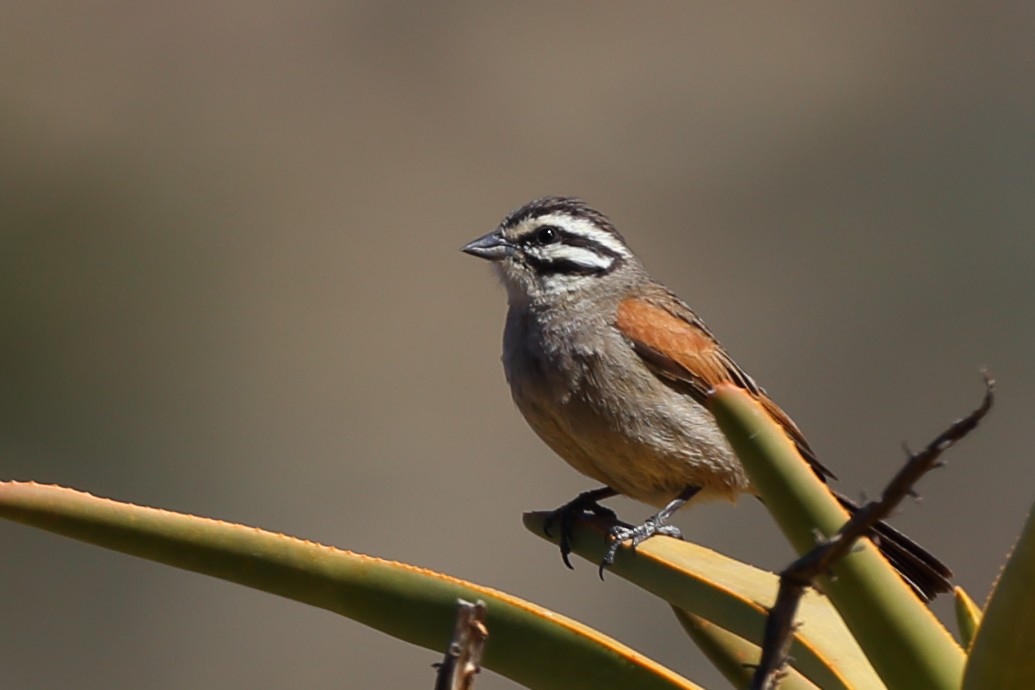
point(585, 228)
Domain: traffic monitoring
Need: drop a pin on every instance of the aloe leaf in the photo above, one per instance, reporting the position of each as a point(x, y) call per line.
point(734, 656)
point(968, 616)
point(907, 645)
point(730, 594)
point(1001, 656)
point(527, 643)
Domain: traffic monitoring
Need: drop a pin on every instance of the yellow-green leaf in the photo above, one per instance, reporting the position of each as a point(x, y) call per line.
point(527, 643)
point(731, 594)
point(734, 656)
point(968, 616)
point(1001, 656)
point(905, 642)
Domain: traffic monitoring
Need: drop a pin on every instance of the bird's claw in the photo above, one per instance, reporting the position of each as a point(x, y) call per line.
point(583, 504)
point(620, 534)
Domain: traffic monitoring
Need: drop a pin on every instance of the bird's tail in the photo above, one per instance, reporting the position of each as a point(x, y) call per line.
point(928, 576)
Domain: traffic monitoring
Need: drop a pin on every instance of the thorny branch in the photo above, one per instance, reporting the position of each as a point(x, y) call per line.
point(801, 574)
point(464, 654)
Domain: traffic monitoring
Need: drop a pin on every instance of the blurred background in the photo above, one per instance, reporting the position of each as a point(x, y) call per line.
point(230, 286)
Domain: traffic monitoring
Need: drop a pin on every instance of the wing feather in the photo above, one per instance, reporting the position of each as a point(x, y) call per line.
point(678, 347)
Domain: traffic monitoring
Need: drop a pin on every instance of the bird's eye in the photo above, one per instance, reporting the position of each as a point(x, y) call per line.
point(547, 235)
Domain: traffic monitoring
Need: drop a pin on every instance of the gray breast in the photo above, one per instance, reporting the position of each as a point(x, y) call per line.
point(587, 395)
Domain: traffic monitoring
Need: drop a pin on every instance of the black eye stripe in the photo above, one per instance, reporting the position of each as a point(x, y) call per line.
point(568, 206)
point(542, 235)
point(567, 267)
point(547, 262)
point(562, 236)
point(588, 243)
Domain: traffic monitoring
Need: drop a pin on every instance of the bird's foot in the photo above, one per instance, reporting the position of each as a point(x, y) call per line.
point(583, 504)
point(620, 534)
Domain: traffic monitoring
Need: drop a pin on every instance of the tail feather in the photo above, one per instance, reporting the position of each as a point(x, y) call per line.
point(928, 576)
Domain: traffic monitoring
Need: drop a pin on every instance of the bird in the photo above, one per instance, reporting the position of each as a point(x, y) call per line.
point(612, 371)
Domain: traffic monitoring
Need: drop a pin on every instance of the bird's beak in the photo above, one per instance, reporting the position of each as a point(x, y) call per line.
point(493, 247)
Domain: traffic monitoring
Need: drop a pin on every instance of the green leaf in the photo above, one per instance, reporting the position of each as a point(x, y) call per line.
point(1001, 656)
point(968, 616)
point(905, 642)
point(734, 656)
point(730, 594)
point(527, 643)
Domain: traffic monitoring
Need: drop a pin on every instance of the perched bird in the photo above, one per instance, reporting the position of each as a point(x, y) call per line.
point(611, 370)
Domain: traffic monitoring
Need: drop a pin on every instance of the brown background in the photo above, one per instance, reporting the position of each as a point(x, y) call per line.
point(230, 285)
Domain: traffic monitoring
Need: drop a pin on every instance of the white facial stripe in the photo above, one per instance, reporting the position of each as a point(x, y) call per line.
point(583, 227)
point(582, 256)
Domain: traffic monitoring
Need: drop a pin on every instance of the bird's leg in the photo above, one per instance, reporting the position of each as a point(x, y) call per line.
point(655, 524)
point(586, 502)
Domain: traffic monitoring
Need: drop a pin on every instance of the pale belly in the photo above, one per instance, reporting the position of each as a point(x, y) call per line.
point(648, 450)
